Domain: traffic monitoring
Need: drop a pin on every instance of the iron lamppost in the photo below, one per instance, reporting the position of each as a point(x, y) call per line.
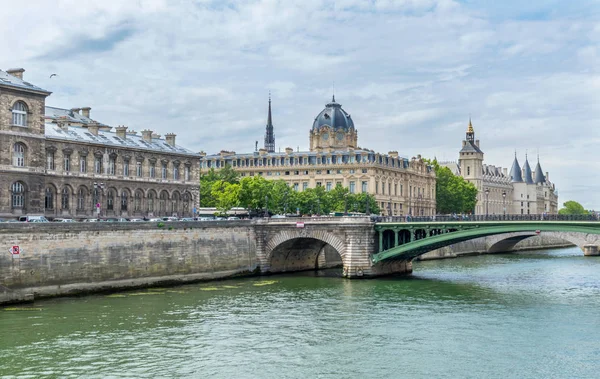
point(487, 194)
point(504, 202)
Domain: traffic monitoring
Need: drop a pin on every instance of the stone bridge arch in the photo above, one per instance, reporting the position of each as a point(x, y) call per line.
point(302, 249)
point(506, 242)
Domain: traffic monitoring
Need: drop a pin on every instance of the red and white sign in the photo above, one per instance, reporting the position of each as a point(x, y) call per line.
point(300, 225)
point(15, 250)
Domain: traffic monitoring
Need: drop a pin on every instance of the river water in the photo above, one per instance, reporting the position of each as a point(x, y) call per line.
point(527, 315)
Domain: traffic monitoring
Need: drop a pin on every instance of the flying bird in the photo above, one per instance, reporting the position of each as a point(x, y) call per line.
point(53, 75)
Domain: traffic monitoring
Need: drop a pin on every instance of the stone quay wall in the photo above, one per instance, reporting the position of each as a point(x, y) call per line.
point(64, 259)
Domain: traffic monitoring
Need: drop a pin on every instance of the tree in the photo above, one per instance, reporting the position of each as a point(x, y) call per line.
point(453, 193)
point(572, 207)
point(226, 175)
point(226, 195)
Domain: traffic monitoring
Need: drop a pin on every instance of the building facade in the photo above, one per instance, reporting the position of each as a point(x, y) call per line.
point(500, 192)
point(62, 163)
point(401, 186)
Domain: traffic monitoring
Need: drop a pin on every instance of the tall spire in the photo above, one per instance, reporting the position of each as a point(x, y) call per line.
point(269, 134)
point(515, 171)
point(528, 178)
point(470, 131)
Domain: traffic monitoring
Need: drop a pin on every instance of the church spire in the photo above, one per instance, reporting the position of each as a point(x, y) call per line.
point(269, 134)
point(470, 132)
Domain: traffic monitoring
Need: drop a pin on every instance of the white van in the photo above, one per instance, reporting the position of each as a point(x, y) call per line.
point(32, 218)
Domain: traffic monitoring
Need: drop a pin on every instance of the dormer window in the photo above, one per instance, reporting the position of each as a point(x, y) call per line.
point(19, 114)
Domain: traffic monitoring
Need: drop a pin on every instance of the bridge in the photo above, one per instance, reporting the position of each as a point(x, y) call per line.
point(54, 258)
point(369, 247)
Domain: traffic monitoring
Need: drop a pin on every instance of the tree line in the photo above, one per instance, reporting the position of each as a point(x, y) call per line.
point(225, 189)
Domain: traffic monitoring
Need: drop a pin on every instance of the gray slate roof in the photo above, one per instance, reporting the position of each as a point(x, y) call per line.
point(527, 171)
point(470, 147)
point(13, 81)
point(81, 134)
point(67, 115)
point(515, 172)
point(539, 174)
point(333, 116)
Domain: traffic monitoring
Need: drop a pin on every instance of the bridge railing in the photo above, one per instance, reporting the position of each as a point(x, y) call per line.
point(483, 218)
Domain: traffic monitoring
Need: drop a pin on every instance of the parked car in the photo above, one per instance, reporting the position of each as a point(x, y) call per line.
point(169, 219)
point(156, 219)
point(92, 220)
point(187, 219)
point(204, 219)
point(63, 220)
point(278, 216)
point(33, 218)
point(232, 218)
point(136, 220)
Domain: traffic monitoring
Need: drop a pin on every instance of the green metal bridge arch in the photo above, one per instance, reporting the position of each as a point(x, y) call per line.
point(428, 236)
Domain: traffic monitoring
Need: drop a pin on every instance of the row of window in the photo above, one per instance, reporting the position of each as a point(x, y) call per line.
point(309, 160)
point(18, 199)
point(19, 161)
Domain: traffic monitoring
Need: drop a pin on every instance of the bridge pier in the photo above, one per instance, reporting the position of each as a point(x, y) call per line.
point(591, 251)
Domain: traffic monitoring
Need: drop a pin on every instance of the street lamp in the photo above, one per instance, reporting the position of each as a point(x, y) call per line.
point(504, 202)
point(266, 206)
point(345, 204)
point(487, 194)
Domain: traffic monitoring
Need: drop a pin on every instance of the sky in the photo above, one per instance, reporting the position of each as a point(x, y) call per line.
point(410, 72)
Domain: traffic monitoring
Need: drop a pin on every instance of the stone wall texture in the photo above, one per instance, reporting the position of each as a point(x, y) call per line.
point(62, 259)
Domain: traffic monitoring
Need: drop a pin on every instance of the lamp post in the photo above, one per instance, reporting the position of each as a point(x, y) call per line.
point(98, 187)
point(345, 204)
point(266, 206)
point(504, 203)
point(487, 194)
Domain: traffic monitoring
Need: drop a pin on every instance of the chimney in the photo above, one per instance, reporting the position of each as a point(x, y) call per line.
point(289, 150)
point(16, 72)
point(75, 110)
point(262, 151)
point(93, 128)
point(393, 154)
point(170, 137)
point(121, 131)
point(85, 111)
point(202, 153)
point(547, 176)
point(505, 171)
point(131, 132)
point(147, 135)
point(155, 135)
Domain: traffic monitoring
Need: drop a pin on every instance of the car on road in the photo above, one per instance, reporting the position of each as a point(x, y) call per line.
point(63, 220)
point(136, 220)
point(232, 218)
point(170, 219)
point(33, 218)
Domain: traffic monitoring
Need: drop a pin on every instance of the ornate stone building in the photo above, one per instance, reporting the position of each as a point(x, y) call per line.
point(400, 185)
point(501, 192)
point(62, 163)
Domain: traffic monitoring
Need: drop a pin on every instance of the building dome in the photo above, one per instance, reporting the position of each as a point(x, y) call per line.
point(333, 116)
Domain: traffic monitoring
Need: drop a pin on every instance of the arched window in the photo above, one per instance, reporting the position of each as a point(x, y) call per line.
point(64, 202)
point(186, 203)
point(124, 199)
point(162, 204)
point(49, 200)
point(175, 202)
point(19, 114)
point(18, 195)
point(81, 199)
point(137, 202)
point(110, 200)
point(150, 202)
point(19, 155)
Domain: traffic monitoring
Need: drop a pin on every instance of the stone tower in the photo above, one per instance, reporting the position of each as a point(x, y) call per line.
point(471, 162)
point(269, 134)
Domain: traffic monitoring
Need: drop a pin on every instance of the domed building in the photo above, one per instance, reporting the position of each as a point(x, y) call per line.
point(333, 128)
point(401, 186)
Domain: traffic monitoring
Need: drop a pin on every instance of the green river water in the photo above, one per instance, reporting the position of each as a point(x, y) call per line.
point(527, 315)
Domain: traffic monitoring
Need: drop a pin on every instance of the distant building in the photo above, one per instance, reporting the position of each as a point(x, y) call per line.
point(400, 185)
point(499, 192)
point(61, 162)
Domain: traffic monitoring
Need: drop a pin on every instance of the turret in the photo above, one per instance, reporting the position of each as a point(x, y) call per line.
point(515, 172)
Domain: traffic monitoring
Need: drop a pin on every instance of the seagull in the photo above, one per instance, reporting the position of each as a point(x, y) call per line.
point(53, 75)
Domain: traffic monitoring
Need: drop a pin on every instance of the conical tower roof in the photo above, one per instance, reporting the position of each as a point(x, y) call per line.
point(527, 171)
point(515, 172)
point(539, 174)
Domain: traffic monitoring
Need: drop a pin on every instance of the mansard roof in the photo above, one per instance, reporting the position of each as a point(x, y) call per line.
point(470, 147)
point(79, 134)
point(12, 81)
point(68, 115)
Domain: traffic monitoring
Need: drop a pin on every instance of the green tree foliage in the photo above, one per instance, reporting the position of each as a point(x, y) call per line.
point(224, 190)
point(225, 175)
point(572, 207)
point(453, 193)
